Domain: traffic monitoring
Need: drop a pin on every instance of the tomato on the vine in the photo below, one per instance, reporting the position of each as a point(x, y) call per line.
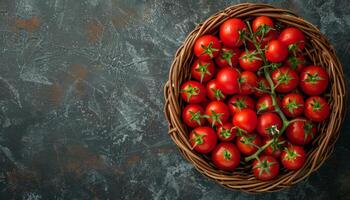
point(293, 38)
point(275, 148)
point(285, 79)
point(276, 51)
point(192, 115)
point(296, 63)
point(293, 105)
point(202, 71)
point(203, 139)
point(248, 143)
point(316, 109)
point(227, 80)
point(228, 57)
point(262, 23)
point(226, 156)
point(263, 87)
point(250, 60)
point(226, 132)
point(245, 119)
point(231, 32)
point(313, 80)
point(269, 124)
point(213, 91)
point(193, 92)
point(266, 168)
point(293, 157)
point(217, 113)
point(265, 103)
point(239, 102)
point(207, 47)
point(247, 83)
point(301, 131)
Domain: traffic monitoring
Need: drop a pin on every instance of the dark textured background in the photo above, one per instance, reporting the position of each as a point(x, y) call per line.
point(81, 100)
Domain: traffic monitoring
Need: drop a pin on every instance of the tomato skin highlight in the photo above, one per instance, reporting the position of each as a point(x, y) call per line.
point(206, 139)
point(245, 119)
point(191, 115)
point(301, 132)
point(228, 57)
point(207, 41)
point(246, 148)
point(193, 92)
point(202, 71)
point(213, 91)
point(293, 105)
point(229, 32)
point(239, 102)
point(293, 157)
point(267, 121)
point(276, 51)
point(316, 109)
point(227, 79)
point(268, 170)
point(313, 80)
point(292, 36)
point(287, 77)
point(226, 156)
point(218, 113)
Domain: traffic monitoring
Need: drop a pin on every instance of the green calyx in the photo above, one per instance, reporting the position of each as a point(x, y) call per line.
point(215, 117)
point(308, 130)
point(294, 61)
point(202, 69)
point(316, 105)
point(292, 105)
point(251, 56)
point(272, 130)
point(264, 166)
point(218, 94)
point(227, 55)
point(225, 133)
point(284, 78)
point(196, 117)
point(291, 154)
point(313, 78)
point(263, 30)
point(198, 139)
point(209, 50)
point(240, 103)
point(191, 91)
point(262, 107)
point(227, 155)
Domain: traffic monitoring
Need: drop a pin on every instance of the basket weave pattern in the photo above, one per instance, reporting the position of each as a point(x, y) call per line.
point(318, 51)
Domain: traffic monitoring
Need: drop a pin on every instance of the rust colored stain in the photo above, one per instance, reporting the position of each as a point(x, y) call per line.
point(163, 150)
point(30, 25)
point(78, 71)
point(55, 94)
point(132, 160)
point(94, 31)
point(80, 88)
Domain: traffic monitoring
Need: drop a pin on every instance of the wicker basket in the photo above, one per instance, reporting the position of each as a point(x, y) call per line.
point(318, 51)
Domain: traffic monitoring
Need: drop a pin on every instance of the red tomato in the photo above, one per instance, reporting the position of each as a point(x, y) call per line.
point(213, 91)
point(226, 132)
point(286, 79)
point(248, 82)
point(301, 132)
point(202, 71)
point(230, 32)
point(207, 47)
point(226, 156)
point(293, 105)
point(262, 22)
point(269, 124)
point(263, 85)
point(192, 115)
point(274, 149)
point(276, 51)
point(316, 109)
point(293, 157)
point(228, 57)
point(247, 143)
point(239, 102)
point(227, 80)
point(264, 104)
point(245, 119)
point(293, 38)
point(250, 60)
point(271, 35)
point(193, 92)
point(313, 80)
point(217, 113)
point(203, 139)
point(297, 63)
point(266, 168)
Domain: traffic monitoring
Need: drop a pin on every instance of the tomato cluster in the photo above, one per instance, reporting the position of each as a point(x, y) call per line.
point(252, 99)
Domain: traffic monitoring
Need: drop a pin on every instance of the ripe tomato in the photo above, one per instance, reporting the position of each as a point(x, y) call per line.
point(297, 63)
point(261, 22)
point(239, 102)
point(293, 105)
point(266, 168)
point(202, 71)
point(228, 57)
point(247, 143)
point(263, 85)
point(285, 78)
point(264, 104)
point(271, 35)
point(217, 113)
point(203, 139)
point(301, 132)
point(226, 156)
point(269, 124)
point(313, 80)
point(227, 80)
point(213, 91)
point(245, 119)
point(248, 82)
point(293, 157)
point(207, 47)
point(316, 109)
point(274, 149)
point(193, 92)
point(293, 38)
point(276, 51)
point(230, 32)
point(226, 132)
point(192, 115)
point(250, 60)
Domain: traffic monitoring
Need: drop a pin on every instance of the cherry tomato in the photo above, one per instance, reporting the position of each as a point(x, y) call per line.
point(297, 63)
point(202, 71)
point(192, 115)
point(275, 148)
point(227, 80)
point(293, 105)
point(263, 85)
point(230, 32)
point(207, 47)
point(313, 80)
point(193, 92)
point(226, 132)
point(271, 35)
point(250, 60)
point(245, 119)
point(203, 139)
point(217, 113)
point(213, 91)
point(316, 109)
point(301, 132)
point(276, 51)
point(248, 82)
point(293, 157)
point(293, 38)
point(247, 143)
point(239, 102)
point(228, 57)
point(264, 103)
point(262, 22)
point(266, 168)
point(269, 124)
point(285, 78)
point(226, 156)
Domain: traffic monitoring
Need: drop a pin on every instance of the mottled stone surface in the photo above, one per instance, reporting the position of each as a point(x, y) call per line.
point(81, 100)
